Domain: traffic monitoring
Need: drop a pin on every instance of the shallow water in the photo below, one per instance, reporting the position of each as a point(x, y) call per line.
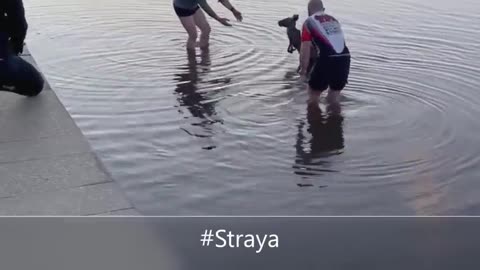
point(227, 132)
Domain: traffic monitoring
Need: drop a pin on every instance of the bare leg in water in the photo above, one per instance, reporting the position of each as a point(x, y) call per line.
point(202, 23)
point(333, 104)
point(333, 96)
point(190, 23)
point(313, 96)
point(191, 28)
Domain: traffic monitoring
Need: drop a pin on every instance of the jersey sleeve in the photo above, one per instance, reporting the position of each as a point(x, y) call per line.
point(306, 36)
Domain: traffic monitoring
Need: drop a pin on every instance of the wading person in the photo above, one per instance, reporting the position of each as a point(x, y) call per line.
point(332, 65)
point(16, 75)
point(191, 16)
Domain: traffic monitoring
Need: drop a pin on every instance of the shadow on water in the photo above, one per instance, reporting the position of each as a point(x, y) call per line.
point(200, 105)
point(326, 140)
point(291, 81)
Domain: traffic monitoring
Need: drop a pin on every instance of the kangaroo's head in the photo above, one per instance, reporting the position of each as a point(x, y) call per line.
point(288, 22)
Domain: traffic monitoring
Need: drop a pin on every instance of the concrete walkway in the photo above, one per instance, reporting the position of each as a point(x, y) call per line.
point(47, 166)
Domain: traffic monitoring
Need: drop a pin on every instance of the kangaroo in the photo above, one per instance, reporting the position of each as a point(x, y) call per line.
point(294, 35)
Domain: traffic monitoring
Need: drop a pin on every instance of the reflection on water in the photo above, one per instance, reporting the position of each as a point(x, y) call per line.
point(326, 130)
point(187, 89)
point(198, 103)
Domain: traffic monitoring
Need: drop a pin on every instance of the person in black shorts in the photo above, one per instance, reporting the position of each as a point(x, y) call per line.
point(191, 16)
point(332, 66)
point(16, 74)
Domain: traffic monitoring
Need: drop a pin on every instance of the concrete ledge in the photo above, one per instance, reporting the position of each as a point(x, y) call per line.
point(47, 166)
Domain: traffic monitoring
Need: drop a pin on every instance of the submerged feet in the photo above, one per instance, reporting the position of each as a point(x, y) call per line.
point(203, 42)
point(202, 45)
point(332, 98)
point(313, 96)
point(204, 38)
point(197, 44)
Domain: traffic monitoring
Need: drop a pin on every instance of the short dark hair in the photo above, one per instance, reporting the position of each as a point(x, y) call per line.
point(315, 6)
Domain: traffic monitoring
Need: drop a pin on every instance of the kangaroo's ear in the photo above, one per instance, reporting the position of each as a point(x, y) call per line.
point(295, 17)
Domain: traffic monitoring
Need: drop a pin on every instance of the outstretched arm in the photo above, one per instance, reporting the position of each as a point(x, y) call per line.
point(18, 24)
point(229, 6)
point(206, 7)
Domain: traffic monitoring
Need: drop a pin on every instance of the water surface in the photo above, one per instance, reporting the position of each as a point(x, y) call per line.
point(228, 131)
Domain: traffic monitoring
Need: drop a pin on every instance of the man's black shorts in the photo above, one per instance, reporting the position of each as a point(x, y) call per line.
point(331, 71)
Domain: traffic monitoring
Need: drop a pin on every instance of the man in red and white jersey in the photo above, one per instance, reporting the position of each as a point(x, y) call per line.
point(332, 66)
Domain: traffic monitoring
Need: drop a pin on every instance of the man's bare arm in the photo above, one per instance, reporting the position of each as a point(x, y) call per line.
point(305, 56)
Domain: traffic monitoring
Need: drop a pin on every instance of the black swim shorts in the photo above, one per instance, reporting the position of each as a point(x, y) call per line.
point(330, 71)
point(182, 12)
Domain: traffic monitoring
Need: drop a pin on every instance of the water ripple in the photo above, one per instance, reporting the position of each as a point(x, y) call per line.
point(228, 130)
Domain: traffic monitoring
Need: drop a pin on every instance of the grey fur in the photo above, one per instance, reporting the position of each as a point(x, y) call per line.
point(294, 35)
